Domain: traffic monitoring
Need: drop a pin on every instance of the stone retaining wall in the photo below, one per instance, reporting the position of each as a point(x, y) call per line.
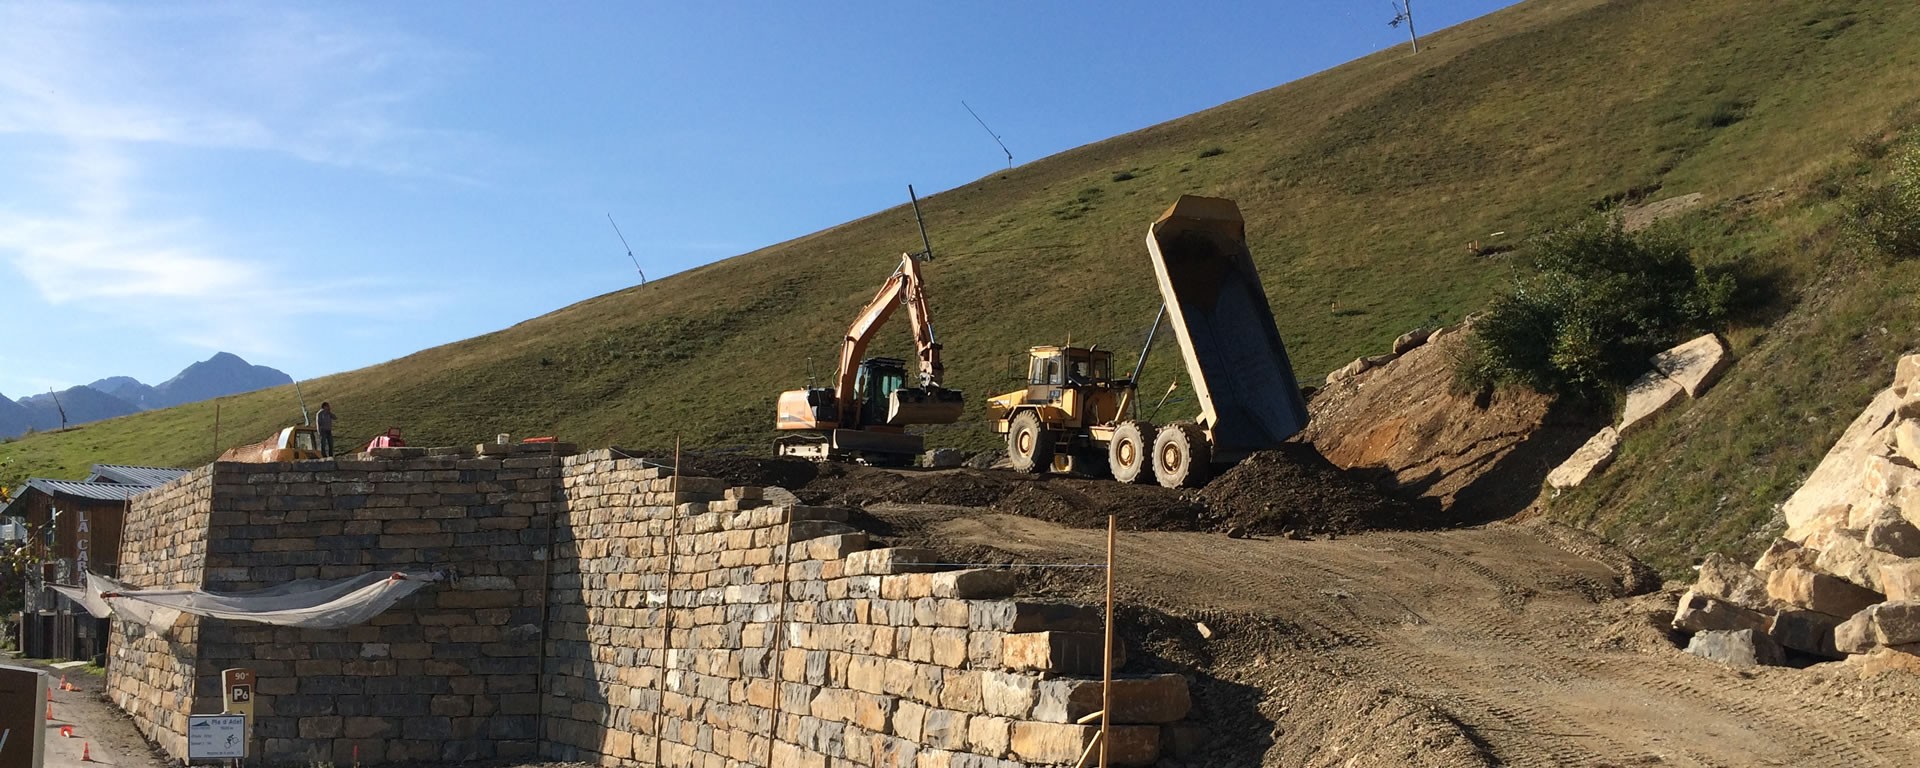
point(668, 650)
point(163, 545)
point(691, 627)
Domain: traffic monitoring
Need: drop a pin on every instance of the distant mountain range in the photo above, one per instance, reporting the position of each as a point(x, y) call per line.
point(217, 376)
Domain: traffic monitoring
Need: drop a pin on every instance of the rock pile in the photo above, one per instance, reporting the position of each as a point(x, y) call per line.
point(1845, 578)
point(1686, 370)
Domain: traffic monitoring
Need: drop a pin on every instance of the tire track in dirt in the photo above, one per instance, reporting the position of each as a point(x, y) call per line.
point(1520, 735)
point(1485, 625)
point(1844, 738)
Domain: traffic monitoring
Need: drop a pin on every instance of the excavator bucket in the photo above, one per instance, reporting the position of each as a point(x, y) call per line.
point(1249, 400)
point(928, 405)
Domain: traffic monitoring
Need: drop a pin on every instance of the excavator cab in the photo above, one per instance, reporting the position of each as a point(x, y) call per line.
point(878, 379)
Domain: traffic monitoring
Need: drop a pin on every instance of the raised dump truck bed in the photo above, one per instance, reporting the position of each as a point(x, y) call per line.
point(1249, 399)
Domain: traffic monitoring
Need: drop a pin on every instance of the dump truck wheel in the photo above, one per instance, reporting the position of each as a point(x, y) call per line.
point(1182, 457)
point(1130, 455)
point(1029, 447)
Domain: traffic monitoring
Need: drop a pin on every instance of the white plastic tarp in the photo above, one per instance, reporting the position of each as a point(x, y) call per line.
point(309, 603)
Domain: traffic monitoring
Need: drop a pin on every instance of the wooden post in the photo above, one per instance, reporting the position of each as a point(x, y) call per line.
point(216, 428)
point(779, 638)
point(666, 618)
point(1106, 677)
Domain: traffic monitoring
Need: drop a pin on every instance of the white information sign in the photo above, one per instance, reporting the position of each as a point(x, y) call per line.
point(213, 737)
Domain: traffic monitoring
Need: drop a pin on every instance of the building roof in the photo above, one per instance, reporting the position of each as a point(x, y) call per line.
point(86, 490)
point(134, 475)
point(108, 482)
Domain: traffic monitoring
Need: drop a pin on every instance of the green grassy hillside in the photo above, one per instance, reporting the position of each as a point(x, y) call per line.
point(1361, 186)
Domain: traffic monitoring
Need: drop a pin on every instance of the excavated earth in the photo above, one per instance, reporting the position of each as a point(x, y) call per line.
point(1388, 605)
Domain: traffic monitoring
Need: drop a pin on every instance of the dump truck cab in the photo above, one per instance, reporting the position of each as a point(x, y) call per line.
point(1069, 391)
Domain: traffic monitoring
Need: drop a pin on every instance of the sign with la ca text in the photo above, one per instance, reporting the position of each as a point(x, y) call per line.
point(216, 737)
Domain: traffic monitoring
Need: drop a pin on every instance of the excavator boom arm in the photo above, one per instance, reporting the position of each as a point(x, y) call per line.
point(904, 287)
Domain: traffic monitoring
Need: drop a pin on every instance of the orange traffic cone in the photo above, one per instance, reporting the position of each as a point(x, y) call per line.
point(49, 710)
point(86, 752)
point(64, 685)
point(49, 694)
point(66, 731)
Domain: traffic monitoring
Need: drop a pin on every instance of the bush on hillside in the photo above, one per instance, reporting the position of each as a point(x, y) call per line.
point(1885, 216)
point(1598, 304)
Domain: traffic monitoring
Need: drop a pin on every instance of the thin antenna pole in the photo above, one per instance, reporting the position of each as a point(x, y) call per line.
point(61, 408)
point(623, 242)
point(996, 137)
point(216, 426)
point(305, 419)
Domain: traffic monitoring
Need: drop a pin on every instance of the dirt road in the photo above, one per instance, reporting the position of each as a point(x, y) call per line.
point(100, 732)
point(1503, 645)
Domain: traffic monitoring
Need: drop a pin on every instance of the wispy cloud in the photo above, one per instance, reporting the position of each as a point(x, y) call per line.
point(91, 94)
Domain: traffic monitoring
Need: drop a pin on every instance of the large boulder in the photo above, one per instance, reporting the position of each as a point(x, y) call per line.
point(1845, 554)
point(1695, 365)
point(1785, 553)
point(1837, 480)
point(1737, 648)
point(1896, 623)
point(1700, 613)
point(1855, 635)
point(1888, 531)
point(1906, 440)
point(941, 458)
point(1816, 591)
point(1411, 339)
point(1590, 459)
point(1724, 579)
point(1906, 374)
point(1809, 632)
point(1899, 579)
point(1886, 477)
point(1649, 395)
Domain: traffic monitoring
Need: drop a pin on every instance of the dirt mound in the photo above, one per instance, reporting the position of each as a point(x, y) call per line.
point(857, 486)
point(1297, 489)
point(1275, 492)
point(736, 467)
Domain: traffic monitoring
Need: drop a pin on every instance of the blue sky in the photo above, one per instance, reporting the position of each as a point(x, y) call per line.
point(325, 186)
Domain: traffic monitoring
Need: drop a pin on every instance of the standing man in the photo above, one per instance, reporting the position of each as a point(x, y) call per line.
point(324, 421)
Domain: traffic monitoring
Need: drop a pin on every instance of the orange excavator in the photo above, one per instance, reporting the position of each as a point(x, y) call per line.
point(864, 415)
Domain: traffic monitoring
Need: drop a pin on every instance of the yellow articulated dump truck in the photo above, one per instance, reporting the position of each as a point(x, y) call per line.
point(1075, 415)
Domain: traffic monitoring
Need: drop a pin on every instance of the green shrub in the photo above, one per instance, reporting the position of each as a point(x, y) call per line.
point(1597, 305)
point(1885, 215)
point(1212, 152)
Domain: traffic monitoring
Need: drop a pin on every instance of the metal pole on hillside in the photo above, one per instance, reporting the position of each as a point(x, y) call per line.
point(1403, 13)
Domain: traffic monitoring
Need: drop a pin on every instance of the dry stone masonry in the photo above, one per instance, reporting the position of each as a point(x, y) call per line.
point(601, 610)
point(1845, 578)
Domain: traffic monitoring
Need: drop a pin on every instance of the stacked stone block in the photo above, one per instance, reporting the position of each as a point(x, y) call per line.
point(603, 610)
point(163, 545)
point(1845, 578)
point(450, 673)
point(697, 625)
